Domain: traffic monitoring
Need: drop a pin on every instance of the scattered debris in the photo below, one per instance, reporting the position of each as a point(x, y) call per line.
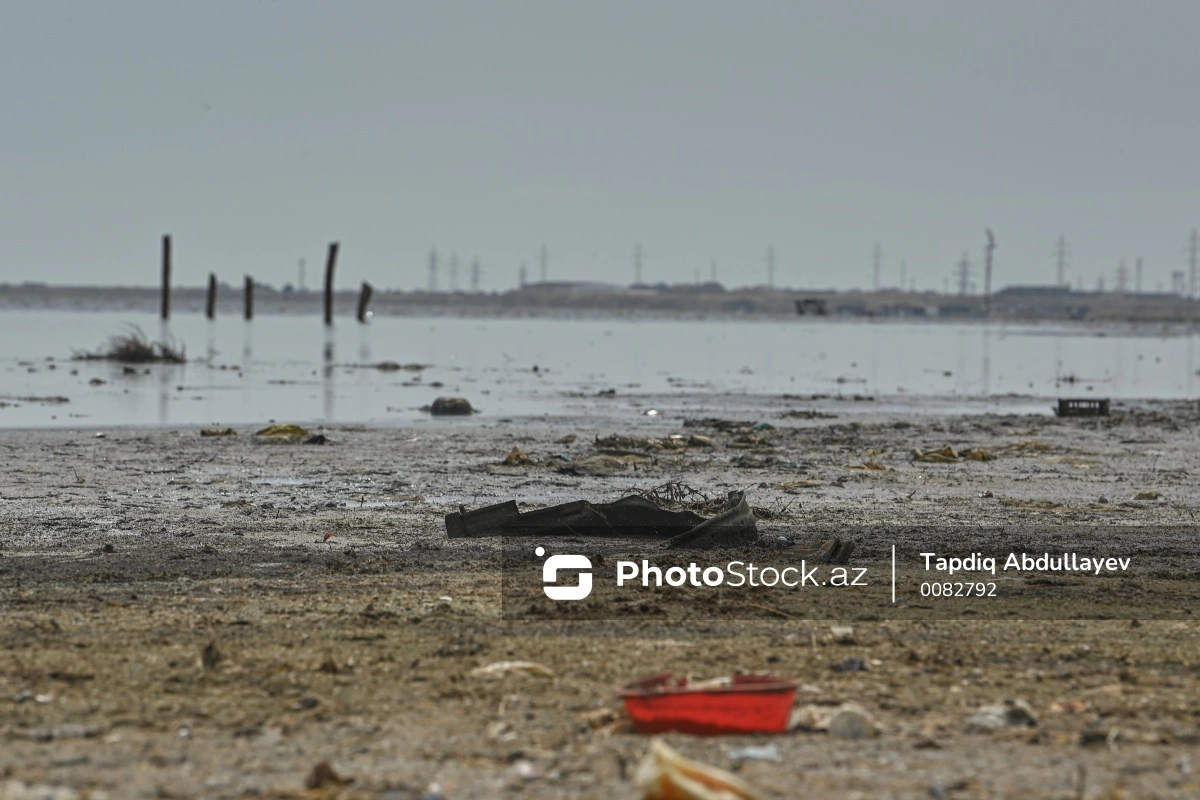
point(622, 445)
point(722, 425)
point(601, 465)
point(218, 432)
point(283, 433)
point(766, 752)
point(679, 495)
point(945, 455)
point(323, 776)
point(318, 438)
point(664, 774)
point(654, 514)
point(450, 406)
point(806, 413)
point(52, 400)
point(1148, 494)
point(850, 665)
point(847, 721)
point(516, 458)
point(501, 668)
point(842, 634)
point(390, 366)
point(737, 705)
point(568, 439)
point(1012, 712)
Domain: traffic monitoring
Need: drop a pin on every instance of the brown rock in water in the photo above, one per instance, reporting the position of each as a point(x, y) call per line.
point(451, 405)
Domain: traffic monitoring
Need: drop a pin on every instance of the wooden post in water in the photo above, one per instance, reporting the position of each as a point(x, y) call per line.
point(330, 265)
point(166, 277)
point(248, 301)
point(364, 299)
point(210, 303)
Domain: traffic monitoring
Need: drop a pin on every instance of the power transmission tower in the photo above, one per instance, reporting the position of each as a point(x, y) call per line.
point(1193, 252)
point(522, 275)
point(544, 258)
point(453, 271)
point(771, 266)
point(964, 274)
point(1122, 277)
point(1061, 259)
point(878, 263)
point(433, 282)
point(475, 275)
point(987, 273)
point(1137, 277)
point(637, 264)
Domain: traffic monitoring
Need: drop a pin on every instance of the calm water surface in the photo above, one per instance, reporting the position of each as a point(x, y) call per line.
point(292, 368)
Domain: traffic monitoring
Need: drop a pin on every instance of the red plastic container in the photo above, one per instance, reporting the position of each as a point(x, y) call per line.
point(749, 704)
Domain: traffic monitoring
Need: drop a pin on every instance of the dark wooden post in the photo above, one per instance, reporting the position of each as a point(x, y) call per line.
point(166, 277)
point(330, 265)
point(248, 302)
point(210, 304)
point(364, 299)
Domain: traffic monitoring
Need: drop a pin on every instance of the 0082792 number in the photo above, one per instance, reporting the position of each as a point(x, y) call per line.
point(947, 589)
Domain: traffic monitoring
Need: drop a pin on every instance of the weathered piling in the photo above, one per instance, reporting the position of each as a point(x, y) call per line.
point(364, 299)
point(330, 265)
point(166, 277)
point(210, 303)
point(248, 299)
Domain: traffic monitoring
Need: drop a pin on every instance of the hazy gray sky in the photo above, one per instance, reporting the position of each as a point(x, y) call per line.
point(256, 132)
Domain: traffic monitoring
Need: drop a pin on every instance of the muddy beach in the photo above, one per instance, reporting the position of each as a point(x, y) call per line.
point(177, 624)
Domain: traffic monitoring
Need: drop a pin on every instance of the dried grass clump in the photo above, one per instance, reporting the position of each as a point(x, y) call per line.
point(134, 347)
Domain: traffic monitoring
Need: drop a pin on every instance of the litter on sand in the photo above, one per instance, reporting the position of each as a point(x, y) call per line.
point(500, 668)
point(218, 432)
point(635, 516)
point(283, 433)
point(665, 774)
point(739, 705)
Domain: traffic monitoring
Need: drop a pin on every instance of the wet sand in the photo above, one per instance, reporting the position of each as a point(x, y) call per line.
point(174, 625)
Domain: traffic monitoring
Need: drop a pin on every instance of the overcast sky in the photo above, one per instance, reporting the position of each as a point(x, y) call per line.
point(257, 132)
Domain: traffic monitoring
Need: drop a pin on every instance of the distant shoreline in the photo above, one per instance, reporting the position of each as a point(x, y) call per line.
point(1013, 304)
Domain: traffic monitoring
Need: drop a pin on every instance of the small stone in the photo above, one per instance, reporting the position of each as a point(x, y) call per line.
point(851, 721)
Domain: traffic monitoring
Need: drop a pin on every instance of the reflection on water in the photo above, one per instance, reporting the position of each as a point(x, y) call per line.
point(327, 371)
point(288, 367)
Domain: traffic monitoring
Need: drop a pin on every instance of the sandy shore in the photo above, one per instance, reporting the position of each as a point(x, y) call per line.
point(125, 557)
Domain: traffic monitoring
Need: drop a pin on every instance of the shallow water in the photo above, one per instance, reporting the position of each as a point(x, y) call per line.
point(292, 368)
